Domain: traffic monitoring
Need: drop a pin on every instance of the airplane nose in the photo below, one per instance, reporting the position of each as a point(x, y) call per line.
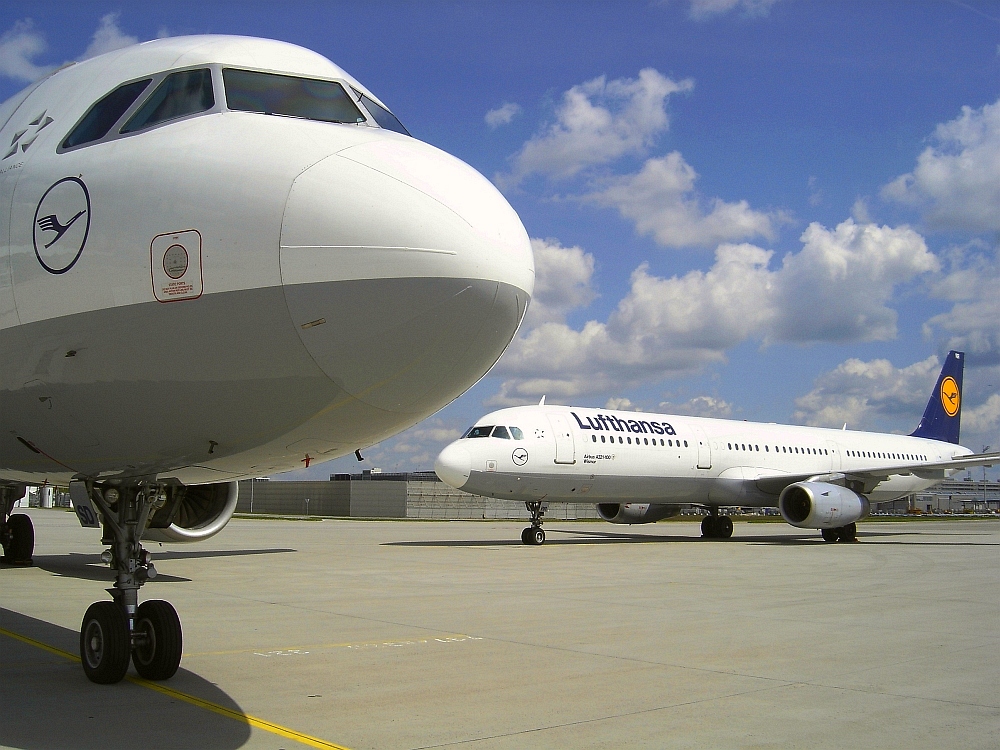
point(453, 466)
point(406, 274)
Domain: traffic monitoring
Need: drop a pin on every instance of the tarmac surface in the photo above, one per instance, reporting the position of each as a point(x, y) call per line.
point(403, 634)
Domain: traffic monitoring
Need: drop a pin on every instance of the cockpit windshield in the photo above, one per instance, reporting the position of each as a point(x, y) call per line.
point(479, 431)
point(291, 96)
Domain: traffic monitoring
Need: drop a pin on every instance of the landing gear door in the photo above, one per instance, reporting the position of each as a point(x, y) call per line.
point(565, 448)
point(704, 449)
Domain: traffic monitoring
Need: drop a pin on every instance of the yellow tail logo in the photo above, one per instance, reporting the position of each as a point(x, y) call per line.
point(950, 397)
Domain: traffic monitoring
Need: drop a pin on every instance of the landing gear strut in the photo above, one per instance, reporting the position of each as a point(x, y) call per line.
point(534, 533)
point(114, 632)
point(714, 526)
point(17, 535)
point(847, 533)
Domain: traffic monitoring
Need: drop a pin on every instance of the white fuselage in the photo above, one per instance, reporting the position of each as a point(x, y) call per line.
point(337, 282)
point(570, 454)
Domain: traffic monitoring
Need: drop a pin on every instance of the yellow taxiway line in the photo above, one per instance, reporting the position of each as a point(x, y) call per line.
point(253, 721)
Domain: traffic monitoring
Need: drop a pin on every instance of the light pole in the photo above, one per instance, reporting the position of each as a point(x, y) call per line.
point(985, 501)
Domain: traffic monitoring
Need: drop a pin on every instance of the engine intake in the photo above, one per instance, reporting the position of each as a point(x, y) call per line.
point(636, 512)
point(194, 513)
point(820, 505)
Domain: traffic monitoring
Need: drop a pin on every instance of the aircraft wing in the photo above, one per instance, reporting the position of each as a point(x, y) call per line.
point(871, 477)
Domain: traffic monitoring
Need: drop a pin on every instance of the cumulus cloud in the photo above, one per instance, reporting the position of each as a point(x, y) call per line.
point(700, 406)
point(973, 323)
point(869, 395)
point(563, 277)
point(502, 115)
point(108, 37)
point(956, 182)
point(662, 201)
point(19, 46)
point(837, 288)
point(597, 122)
point(616, 403)
point(704, 9)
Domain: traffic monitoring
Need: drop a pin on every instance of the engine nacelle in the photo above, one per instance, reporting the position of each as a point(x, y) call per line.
point(820, 505)
point(194, 513)
point(636, 512)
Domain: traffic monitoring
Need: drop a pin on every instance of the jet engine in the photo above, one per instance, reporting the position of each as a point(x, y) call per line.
point(636, 512)
point(194, 513)
point(820, 505)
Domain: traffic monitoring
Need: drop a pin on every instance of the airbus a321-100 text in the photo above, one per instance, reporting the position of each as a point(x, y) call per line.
point(223, 257)
point(640, 468)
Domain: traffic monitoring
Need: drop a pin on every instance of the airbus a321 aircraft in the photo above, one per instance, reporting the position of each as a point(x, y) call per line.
point(223, 257)
point(640, 468)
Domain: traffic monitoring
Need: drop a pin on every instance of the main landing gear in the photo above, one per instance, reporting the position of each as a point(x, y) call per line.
point(715, 526)
point(534, 533)
point(17, 535)
point(114, 632)
point(847, 533)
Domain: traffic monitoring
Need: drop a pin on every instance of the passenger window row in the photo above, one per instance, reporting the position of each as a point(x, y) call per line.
point(668, 443)
point(890, 456)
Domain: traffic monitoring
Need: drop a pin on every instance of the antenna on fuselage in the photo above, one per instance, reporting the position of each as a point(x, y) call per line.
point(542, 402)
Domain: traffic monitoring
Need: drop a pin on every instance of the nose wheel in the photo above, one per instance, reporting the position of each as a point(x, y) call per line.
point(534, 533)
point(847, 533)
point(115, 632)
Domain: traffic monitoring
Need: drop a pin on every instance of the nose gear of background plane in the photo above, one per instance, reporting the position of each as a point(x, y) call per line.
point(17, 534)
point(113, 632)
point(534, 534)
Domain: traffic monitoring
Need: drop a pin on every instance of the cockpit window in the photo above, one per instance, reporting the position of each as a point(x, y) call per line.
point(101, 117)
point(515, 432)
point(183, 93)
point(501, 432)
point(480, 431)
point(273, 94)
point(382, 116)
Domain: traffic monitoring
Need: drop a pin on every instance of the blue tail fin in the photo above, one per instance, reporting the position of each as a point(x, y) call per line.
point(943, 415)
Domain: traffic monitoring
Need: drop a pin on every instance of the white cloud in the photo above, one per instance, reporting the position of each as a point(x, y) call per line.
point(704, 9)
point(502, 115)
point(562, 281)
point(617, 403)
point(108, 37)
point(837, 288)
point(597, 122)
point(700, 406)
point(869, 395)
point(662, 201)
point(973, 323)
point(19, 46)
point(956, 182)
point(983, 419)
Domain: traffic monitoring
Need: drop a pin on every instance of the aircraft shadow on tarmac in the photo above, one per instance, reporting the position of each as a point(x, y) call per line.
point(611, 537)
point(46, 701)
point(89, 567)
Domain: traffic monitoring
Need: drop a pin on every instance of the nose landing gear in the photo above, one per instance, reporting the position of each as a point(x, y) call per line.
point(17, 534)
point(847, 533)
point(534, 534)
point(114, 632)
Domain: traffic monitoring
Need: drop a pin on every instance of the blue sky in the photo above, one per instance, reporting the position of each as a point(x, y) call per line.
point(780, 210)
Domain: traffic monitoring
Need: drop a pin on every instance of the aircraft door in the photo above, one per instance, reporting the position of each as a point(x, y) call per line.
point(704, 449)
point(835, 455)
point(565, 447)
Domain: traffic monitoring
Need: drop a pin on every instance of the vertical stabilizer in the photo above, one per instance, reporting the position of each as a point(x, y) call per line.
point(943, 415)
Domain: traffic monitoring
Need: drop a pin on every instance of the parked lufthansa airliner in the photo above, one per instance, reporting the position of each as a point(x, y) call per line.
point(640, 468)
point(222, 257)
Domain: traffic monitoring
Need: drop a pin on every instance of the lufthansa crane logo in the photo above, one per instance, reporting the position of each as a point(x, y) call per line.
point(950, 397)
point(61, 225)
point(519, 456)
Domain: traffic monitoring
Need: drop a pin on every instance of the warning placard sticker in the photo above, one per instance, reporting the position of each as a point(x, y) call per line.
point(175, 261)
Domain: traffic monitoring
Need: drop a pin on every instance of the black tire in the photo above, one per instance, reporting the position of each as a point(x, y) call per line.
point(524, 535)
point(708, 527)
point(724, 527)
point(104, 643)
point(849, 533)
point(22, 540)
point(537, 535)
point(159, 642)
point(830, 535)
